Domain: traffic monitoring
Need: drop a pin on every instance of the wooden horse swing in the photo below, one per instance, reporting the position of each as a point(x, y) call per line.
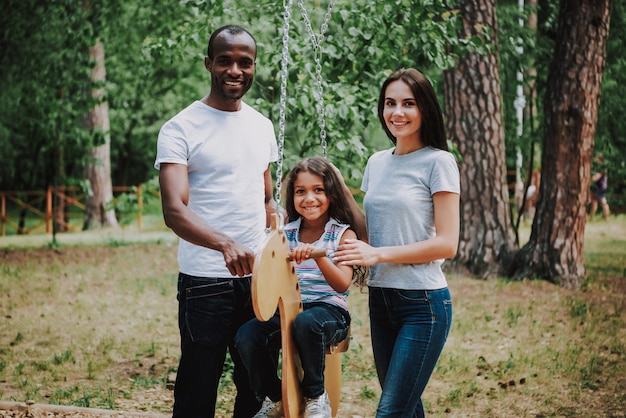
point(275, 284)
point(274, 281)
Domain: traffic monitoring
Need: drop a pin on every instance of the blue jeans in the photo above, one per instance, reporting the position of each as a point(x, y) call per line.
point(258, 342)
point(210, 310)
point(408, 329)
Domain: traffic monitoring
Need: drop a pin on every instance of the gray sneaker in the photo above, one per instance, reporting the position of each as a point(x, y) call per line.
point(270, 409)
point(317, 407)
point(277, 411)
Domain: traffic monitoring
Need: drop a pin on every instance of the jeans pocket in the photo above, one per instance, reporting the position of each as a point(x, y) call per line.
point(209, 306)
point(412, 295)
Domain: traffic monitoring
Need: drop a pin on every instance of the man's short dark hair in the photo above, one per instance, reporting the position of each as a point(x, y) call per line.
point(232, 29)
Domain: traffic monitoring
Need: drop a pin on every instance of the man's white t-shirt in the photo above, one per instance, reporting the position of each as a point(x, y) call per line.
point(226, 154)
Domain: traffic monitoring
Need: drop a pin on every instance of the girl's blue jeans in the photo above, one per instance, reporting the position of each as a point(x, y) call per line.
point(258, 343)
point(408, 329)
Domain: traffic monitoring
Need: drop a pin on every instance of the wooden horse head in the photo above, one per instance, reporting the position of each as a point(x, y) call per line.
point(275, 285)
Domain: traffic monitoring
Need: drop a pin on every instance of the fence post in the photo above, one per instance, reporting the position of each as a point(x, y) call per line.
point(49, 210)
point(139, 205)
point(4, 213)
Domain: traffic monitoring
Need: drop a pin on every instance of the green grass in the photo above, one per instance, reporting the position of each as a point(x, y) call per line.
point(92, 322)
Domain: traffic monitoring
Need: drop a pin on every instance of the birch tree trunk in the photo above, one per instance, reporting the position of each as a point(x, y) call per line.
point(473, 107)
point(98, 212)
point(555, 249)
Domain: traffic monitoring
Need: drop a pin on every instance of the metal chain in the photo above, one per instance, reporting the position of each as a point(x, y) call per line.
point(316, 41)
point(283, 101)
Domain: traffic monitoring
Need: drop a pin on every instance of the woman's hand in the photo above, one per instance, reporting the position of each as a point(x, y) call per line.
point(354, 252)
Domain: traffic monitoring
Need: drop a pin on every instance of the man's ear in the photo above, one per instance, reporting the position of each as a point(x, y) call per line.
point(207, 63)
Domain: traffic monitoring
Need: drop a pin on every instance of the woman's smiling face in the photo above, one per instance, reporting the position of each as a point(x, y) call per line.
point(401, 114)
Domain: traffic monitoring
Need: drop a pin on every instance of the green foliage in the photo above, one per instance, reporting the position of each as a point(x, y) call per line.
point(154, 61)
point(578, 309)
point(518, 51)
point(532, 60)
point(44, 71)
point(18, 338)
point(356, 55)
point(512, 315)
point(66, 356)
point(610, 139)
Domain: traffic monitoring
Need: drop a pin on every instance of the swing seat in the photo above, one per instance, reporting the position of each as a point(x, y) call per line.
point(275, 284)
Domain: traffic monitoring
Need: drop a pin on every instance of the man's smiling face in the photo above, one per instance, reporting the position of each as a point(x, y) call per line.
point(232, 69)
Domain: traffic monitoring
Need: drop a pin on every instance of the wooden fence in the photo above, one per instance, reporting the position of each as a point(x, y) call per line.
point(39, 207)
point(42, 205)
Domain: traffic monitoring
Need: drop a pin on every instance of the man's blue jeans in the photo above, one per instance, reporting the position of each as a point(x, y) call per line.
point(258, 342)
point(408, 329)
point(210, 310)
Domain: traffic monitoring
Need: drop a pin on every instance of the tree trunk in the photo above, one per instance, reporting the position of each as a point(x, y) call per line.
point(98, 213)
point(473, 104)
point(555, 249)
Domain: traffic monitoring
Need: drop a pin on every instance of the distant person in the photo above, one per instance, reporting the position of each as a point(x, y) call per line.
point(216, 188)
point(599, 186)
point(321, 211)
point(413, 219)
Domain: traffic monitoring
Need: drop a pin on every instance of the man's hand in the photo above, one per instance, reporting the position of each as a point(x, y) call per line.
point(239, 259)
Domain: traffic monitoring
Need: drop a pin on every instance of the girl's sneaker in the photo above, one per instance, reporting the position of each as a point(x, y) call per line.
point(270, 409)
point(317, 407)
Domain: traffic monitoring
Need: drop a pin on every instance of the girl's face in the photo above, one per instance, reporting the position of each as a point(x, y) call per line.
point(401, 114)
point(309, 197)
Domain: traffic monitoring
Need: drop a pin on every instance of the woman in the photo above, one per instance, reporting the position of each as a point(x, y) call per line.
point(412, 212)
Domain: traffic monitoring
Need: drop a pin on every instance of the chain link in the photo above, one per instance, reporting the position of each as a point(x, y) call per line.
point(316, 41)
point(283, 101)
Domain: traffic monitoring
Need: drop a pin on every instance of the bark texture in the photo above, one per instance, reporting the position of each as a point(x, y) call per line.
point(98, 169)
point(555, 249)
point(473, 107)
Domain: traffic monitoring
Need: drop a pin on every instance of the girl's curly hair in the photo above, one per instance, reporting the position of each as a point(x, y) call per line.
point(339, 207)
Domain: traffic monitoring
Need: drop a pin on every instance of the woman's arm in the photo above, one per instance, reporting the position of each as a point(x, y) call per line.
point(443, 245)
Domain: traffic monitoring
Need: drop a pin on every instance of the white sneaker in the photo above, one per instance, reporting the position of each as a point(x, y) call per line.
point(317, 407)
point(270, 409)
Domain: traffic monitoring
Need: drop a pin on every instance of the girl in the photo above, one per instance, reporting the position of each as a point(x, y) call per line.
point(412, 213)
point(317, 203)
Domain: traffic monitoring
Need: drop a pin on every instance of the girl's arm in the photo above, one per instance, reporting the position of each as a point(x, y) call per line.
point(338, 276)
point(443, 245)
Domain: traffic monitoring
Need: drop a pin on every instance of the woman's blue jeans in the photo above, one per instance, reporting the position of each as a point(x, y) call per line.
point(408, 329)
point(258, 343)
point(210, 310)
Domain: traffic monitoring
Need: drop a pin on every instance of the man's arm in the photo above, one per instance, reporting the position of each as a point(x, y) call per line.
point(270, 202)
point(174, 182)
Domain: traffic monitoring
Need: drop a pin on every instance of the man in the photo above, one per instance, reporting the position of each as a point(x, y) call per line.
point(216, 191)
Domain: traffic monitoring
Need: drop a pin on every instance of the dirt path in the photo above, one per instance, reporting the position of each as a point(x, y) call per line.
point(33, 410)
